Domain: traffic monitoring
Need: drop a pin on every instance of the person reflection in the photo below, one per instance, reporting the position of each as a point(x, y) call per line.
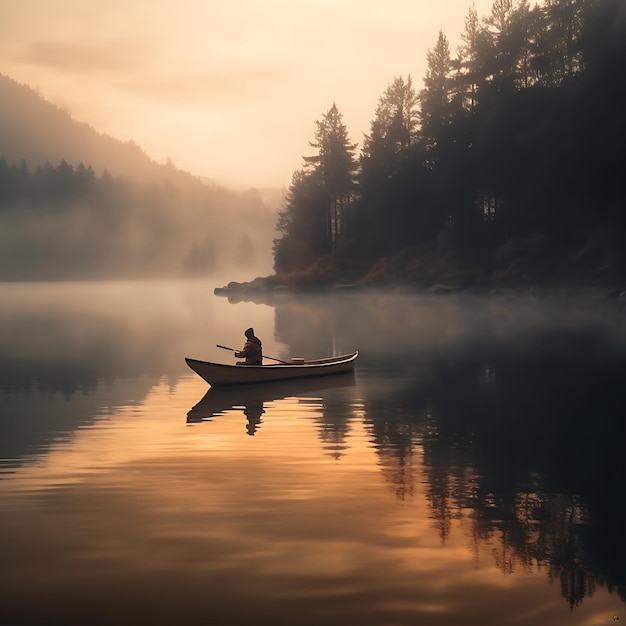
point(253, 412)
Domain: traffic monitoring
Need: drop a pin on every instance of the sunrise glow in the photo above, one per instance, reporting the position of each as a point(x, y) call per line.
point(227, 91)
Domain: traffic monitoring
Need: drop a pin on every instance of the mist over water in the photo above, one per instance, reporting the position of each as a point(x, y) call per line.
point(470, 469)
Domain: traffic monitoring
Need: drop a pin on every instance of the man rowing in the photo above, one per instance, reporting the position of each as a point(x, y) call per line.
point(252, 350)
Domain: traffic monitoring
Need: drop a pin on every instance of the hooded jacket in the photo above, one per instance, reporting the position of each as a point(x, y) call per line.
point(252, 351)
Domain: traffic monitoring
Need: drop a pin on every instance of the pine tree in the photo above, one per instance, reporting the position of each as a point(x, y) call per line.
point(468, 64)
point(436, 97)
point(302, 224)
point(508, 28)
point(393, 131)
point(333, 168)
point(564, 22)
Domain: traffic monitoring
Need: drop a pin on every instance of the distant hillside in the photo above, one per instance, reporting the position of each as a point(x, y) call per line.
point(36, 130)
point(86, 205)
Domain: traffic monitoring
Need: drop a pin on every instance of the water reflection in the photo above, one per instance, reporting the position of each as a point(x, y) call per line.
point(72, 352)
point(500, 418)
point(252, 399)
point(510, 409)
point(524, 448)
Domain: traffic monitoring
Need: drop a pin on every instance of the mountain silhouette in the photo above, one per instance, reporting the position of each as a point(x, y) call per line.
point(78, 204)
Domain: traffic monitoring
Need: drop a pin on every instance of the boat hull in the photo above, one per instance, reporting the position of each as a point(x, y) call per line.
point(218, 374)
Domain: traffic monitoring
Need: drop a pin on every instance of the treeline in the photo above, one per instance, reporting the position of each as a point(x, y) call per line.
point(47, 185)
point(35, 130)
point(65, 222)
point(508, 155)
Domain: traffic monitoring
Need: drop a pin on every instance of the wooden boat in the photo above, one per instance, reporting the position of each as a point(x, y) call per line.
point(217, 374)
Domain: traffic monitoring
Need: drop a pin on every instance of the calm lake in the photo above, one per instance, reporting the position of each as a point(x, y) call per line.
point(471, 472)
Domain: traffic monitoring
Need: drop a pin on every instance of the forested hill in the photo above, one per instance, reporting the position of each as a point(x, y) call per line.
point(37, 131)
point(76, 204)
point(505, 167)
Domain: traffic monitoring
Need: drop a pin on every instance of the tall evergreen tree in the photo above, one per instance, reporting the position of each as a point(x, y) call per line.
point(334, 167)
point(467, 63)
point(394, 129)
point(302, 224)
point(508, 59)
point(437, 95)
point(563, 25)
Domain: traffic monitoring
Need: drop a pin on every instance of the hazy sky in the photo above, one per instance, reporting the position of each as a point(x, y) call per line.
point(229, 90)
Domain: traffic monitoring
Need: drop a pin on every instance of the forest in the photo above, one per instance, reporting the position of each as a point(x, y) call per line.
point(502, 167)
point(506, 167)
point(66, 222)
point(77, 204)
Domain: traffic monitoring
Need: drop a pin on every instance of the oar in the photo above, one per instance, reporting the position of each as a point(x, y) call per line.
point(271, 358)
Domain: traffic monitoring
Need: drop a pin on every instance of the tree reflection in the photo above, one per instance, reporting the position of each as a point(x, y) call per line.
point(334, 422)
point(508, 412)
point(525, 450)
point(511, 416)
point(393, 441)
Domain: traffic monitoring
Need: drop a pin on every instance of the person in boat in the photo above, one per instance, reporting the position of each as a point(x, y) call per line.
point(252, 350)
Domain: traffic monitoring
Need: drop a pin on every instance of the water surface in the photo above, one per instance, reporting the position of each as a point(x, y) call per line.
point(470, 472)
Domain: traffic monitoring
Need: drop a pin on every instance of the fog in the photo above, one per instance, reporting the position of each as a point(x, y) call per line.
point(49, 332)
point(126, 230)
point(497, 418)
point(70, 352)
point(75, 204)
point(407, 326)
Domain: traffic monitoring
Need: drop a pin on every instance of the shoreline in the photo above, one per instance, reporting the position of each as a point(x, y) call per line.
point(267, 289)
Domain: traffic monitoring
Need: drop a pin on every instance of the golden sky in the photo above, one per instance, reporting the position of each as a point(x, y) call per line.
point(229, 90)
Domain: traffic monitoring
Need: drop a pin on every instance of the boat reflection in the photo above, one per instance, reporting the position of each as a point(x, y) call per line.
point(253, 398)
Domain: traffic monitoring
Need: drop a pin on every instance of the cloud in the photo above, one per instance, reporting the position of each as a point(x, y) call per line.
point(110, 56)
point(204, 88)
point(140, 68)
point(180, 77)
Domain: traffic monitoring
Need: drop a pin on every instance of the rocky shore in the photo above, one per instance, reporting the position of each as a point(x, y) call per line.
point(528, 266)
